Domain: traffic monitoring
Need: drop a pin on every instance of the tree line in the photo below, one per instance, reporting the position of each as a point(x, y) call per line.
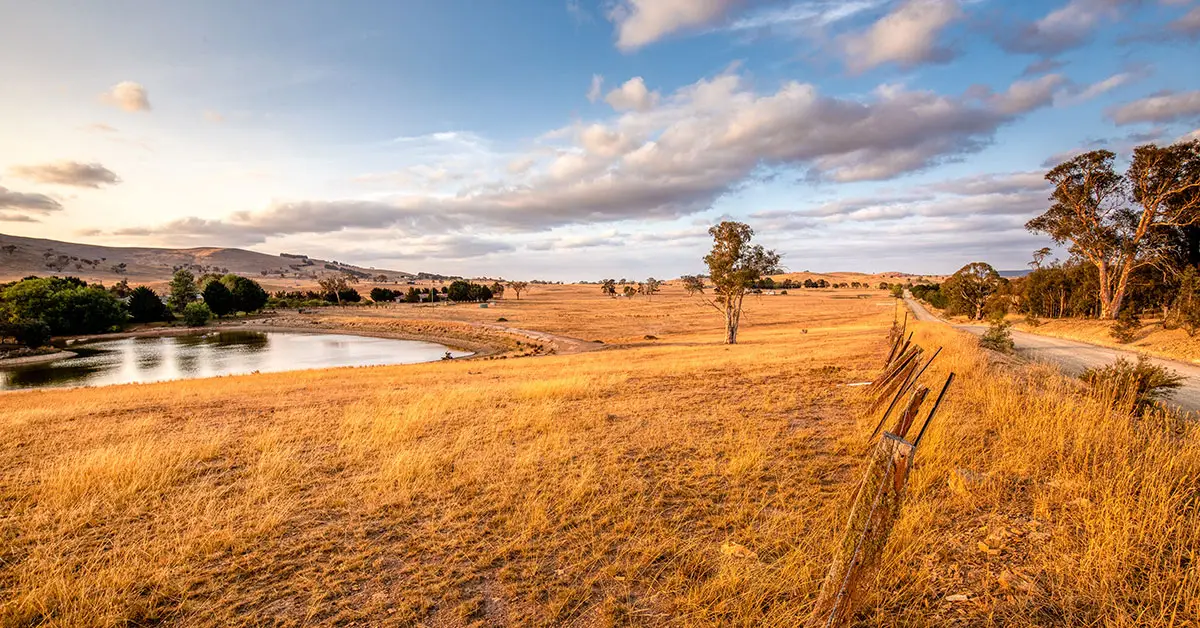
point(1133, 243)
point(35, 309)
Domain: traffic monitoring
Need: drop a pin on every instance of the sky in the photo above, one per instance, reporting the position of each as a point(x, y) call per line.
point(576, 139)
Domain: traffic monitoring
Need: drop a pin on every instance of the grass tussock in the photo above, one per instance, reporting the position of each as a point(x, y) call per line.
point(675, 483)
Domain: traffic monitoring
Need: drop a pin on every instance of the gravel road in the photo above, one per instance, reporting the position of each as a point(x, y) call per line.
point(1075, 356)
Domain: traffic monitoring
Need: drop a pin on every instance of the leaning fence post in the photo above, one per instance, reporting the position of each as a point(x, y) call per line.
point(871, 520)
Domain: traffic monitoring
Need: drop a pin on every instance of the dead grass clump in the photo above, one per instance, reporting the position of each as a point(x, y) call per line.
point(1134, 385)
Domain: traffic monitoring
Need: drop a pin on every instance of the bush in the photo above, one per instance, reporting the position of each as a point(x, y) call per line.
point(1140, 383)
point(248, 296)
point(218, 298)
point(145, 306)
point(381, 295)
point(196, 314)
point(68, 306)
point(31, 333)
point(465, 291)
point(998, 336)
point(1125, 328)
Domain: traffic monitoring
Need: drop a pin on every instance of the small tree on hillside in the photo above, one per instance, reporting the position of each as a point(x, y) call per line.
point(651, 286)
point(693, 284)
point(183, 289)
point(629, 291)
point(218, 298)
point(734, 265)
point(518, 287)
point(497, 289)
point(609, 287)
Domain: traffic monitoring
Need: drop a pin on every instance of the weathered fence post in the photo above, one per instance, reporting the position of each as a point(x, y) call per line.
point(871, 520)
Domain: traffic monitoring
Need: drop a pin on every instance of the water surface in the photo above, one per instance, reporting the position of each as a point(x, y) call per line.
point(131, 360)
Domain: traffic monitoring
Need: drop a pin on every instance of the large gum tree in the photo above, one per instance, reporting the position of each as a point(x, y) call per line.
point(1122, 222)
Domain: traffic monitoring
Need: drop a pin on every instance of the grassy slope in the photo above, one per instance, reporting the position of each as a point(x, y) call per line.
point(588, 489)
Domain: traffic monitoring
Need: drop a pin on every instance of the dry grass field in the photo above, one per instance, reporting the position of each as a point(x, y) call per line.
point(668, 481)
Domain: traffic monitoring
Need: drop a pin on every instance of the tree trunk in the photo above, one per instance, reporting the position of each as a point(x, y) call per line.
point(733, 316)
point(1122, 285)
point(1106, 295)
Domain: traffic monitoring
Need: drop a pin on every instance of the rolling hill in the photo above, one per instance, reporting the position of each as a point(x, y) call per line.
point(20, 257)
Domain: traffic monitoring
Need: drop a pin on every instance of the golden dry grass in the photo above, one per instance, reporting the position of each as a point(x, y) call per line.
point(589, 489)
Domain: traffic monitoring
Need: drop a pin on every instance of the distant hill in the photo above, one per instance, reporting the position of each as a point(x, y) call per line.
point(20, 257)
point(850, 277)
point(1014, 273)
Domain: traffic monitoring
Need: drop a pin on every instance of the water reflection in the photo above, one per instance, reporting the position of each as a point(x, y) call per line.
point(217, 353)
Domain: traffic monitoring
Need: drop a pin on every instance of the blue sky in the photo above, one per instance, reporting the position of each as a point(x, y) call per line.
point(576, 139)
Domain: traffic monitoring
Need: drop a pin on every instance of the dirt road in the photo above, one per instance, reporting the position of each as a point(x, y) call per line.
point(1074, 356)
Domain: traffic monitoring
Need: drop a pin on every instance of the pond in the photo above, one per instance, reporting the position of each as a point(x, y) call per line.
point(155, 359)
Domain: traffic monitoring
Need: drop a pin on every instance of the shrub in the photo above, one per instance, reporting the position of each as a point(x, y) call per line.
point(218, 298)
point(145, 306)
point(998, 336)
point(31, 333)
point(1140, 383)
point(68, 306)
point(1032, 320)
point(196, 314)
point(248, 296)
point(380, 295)
point(1125, 328)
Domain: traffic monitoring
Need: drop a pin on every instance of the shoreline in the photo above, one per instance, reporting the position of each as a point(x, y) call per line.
point(37, 359)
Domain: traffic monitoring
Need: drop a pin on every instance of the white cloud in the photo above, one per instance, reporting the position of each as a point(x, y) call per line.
point(1078, 95)
point(521, 165)
point(127, 95)
point(907, 36)
point(803, 18)
point(1162, 107)
point(595, 91)
point(675, 159)
point(1066, 27)
point(71, 173)
point(642, 22)
point(1025, 95)
point(632, 95)
point(11, 199)
point(1188, 24)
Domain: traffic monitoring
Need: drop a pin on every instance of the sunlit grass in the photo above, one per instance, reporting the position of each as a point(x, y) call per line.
point(590, 489)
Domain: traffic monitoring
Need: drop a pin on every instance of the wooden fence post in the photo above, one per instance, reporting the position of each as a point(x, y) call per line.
point(875, 511)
